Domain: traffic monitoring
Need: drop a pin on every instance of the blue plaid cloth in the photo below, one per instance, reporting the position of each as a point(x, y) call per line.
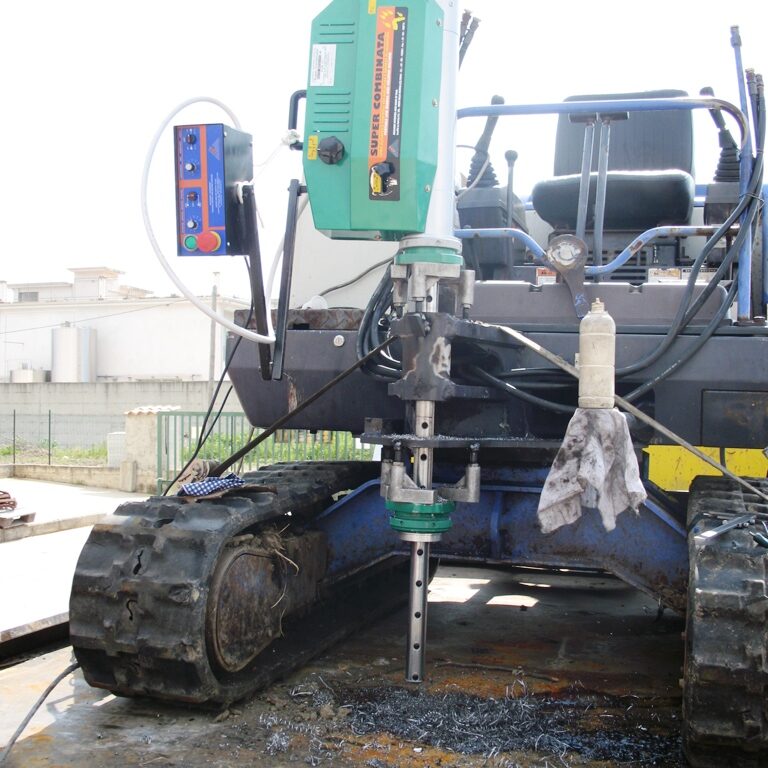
point(211, 485)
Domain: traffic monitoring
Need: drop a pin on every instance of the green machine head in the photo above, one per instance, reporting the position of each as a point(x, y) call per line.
point(370, 149)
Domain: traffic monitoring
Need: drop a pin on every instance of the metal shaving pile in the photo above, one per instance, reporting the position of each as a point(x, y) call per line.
point(472, 725)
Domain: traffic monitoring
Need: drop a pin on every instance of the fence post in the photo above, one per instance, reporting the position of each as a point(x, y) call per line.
point(49, 437)
point(14, 437)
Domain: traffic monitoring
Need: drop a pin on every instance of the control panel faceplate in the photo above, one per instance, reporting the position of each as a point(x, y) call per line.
point(210, 161)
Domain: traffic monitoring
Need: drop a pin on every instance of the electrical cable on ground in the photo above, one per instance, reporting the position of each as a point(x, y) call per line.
point(25, 722)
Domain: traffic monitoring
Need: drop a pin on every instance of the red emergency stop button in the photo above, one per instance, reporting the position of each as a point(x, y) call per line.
point(209, 241)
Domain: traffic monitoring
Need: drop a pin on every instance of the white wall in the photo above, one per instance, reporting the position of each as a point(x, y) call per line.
point(46, 291)
point(136, 339)
point(108, 398)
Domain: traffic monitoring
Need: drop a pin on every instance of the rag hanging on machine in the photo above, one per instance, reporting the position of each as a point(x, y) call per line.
point(596, 467)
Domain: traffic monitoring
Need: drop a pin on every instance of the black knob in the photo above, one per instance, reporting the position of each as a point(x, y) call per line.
point(330, 150)
point(190, 138)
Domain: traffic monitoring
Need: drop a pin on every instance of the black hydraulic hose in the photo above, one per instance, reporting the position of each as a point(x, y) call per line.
point(532, 371)
point(691, 351)
point(360, 344)
point(519, 393)
point(368, 334)
point(750, 217)
point(678, 322)
point(529, 385)
point(269, 431)
point(728, 261)
point(467, 39)
point(686, 311)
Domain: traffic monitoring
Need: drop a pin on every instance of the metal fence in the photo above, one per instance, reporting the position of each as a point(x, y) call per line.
point(55, 438)
point(178, 433)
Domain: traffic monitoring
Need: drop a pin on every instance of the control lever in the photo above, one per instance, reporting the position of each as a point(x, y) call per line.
point(728, 163)
point(480, 163)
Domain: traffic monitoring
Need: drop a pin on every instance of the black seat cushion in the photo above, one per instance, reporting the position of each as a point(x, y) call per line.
point(635, 200)
point(649, 168)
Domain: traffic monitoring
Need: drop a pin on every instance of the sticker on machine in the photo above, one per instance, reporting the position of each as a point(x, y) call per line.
point(323, 66)
point(387, 103)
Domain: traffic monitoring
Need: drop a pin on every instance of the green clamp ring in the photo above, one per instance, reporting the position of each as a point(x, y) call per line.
point(429, 253)
point(420, 518)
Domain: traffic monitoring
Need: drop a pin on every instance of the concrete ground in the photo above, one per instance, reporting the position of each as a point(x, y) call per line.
point(58, 502)
point(37, 563)
point(525, 668)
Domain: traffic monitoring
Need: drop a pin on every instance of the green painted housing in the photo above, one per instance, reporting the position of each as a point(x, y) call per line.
point(349, 60)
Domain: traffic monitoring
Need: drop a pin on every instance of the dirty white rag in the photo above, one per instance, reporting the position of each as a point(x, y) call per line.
point(596, 466)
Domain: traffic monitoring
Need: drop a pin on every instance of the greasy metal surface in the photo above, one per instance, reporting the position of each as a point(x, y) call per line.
point(733, 362)
point(734, 418)
point(645, 549)
point(241, 618)
point(257, 582)
point(525, 668)
point(333, 318)
point(428, 355)
point(311, 361)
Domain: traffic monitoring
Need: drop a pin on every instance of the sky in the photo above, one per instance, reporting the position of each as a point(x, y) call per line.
point(86, 84)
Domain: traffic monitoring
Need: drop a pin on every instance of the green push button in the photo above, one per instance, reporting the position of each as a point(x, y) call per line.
point(190, 242)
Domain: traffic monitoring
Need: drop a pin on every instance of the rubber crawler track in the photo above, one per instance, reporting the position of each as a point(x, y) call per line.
point(138, 602)
point(725, 701)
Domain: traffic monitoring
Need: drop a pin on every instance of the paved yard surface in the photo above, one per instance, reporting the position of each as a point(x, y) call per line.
point(525, 668)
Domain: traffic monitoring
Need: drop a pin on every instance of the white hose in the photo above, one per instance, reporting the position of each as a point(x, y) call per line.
point(246, 334)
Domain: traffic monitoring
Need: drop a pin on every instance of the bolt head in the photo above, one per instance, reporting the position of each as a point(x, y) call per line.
point(338, 340)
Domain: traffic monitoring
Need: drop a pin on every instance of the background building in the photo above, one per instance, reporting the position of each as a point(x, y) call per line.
point(95, 346)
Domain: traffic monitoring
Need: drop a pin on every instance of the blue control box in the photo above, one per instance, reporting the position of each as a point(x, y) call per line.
point(211, 160)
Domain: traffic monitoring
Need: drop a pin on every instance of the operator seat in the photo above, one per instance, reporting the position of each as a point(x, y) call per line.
point(650, 166)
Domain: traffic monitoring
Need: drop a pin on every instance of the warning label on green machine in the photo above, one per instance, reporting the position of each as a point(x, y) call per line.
point(323, 68)
point(387, 103)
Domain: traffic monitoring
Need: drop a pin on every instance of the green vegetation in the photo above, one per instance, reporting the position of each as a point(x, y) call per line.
point(296, 445)
point(92, 456)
